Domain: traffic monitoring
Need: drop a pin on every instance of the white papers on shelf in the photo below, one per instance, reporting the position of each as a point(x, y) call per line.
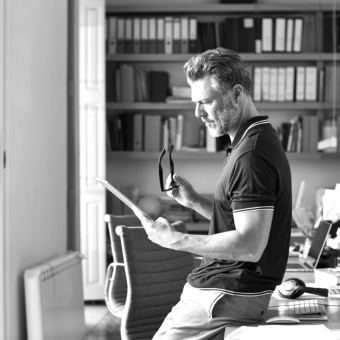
point(283, 332)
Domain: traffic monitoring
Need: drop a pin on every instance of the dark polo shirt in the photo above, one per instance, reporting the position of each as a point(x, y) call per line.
point(256, 176)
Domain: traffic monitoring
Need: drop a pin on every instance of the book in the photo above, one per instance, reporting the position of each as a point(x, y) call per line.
point(206, 36)
point(331, 38)
point(111, 134)
point(265, 83)
point(329, 276)
point(120, 35)
point(290, 81)
point(160, 44)
point(136, 35)
point(179, 132)
point(127, 83)
point(118, 85)
point(267, 34)
point(159, 83)
point(184, 35)
point(314, 133)
point(166, 134)
point(168, 35)
point(152, 35)
point(172, 130)
point(144, 36)
point(138, 132)
point(128, 42)
point(289, 35)
point(298, 33)
point(112, 35)
point(281, 84)
point(176, 35)
point(111, 91)
point(258, 34)
point(193, 43)
point(108, 137)
point(300, 83)
point(257, 84)
point(247, 35)
point(126, 120)
point(152, 132)
point(311, 83)
point(280, 35)
point(305, 147)
point(118, 133)
point(273, 84)
point(232, 34)
point(332, 82)
point(321, 85)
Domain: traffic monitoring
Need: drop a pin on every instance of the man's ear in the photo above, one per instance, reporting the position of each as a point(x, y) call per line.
point(237, 91)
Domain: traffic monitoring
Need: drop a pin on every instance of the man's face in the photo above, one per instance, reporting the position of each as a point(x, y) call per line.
point(215, 110)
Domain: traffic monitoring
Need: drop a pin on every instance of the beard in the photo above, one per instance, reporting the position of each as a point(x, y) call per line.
point(225, 121)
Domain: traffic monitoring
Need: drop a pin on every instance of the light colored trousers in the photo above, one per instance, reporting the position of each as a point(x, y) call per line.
point(203, 314)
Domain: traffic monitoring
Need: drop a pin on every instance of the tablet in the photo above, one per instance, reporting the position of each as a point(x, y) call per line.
point(122, 197)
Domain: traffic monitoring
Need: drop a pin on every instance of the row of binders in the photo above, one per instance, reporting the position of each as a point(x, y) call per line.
point(285, 84)
point(300, 134)
point(144, 132)
point(178, 35)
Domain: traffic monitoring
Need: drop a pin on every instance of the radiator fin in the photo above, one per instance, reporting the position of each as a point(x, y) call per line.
point(55, 299)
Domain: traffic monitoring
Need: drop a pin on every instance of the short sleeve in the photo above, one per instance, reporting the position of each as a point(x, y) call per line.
point(252, 183)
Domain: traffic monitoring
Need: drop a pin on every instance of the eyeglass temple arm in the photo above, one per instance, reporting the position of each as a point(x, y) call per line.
point(172, 167)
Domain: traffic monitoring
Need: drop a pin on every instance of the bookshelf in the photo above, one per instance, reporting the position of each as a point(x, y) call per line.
point(312, 54)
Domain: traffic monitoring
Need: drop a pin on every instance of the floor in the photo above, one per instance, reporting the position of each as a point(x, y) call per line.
point(100, 323)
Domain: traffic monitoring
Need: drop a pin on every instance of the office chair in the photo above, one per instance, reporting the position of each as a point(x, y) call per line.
point(155, 279)
point(115, 283)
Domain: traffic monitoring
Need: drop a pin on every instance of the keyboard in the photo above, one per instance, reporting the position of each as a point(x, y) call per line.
point(307, 310)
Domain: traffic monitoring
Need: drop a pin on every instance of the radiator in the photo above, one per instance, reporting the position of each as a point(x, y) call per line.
point(55, 300)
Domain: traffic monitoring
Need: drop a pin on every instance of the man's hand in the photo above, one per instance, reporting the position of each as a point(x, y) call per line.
point(160, 231)
point(184, 194)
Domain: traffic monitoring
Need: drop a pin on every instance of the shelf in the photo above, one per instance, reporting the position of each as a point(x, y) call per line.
point(261, 106)
point(256, 57)
point(218, 156)
point(214, 8)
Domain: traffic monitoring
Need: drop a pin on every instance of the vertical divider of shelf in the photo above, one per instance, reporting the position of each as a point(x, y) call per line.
point(320, 63)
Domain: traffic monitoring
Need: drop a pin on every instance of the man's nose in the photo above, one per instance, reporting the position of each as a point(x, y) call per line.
point(198, 110)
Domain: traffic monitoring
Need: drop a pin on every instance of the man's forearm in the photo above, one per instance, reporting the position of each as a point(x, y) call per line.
point(228, 246)
point(203, 206)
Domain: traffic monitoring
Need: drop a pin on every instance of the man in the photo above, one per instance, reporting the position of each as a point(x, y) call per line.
point(246, 251)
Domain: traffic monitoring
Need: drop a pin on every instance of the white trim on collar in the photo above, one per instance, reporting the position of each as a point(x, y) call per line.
point(265, 121)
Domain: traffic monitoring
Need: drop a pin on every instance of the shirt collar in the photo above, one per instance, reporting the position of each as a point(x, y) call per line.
point(242, 132)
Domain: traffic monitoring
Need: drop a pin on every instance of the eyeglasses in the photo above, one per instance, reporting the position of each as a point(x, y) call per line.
point(173, 183)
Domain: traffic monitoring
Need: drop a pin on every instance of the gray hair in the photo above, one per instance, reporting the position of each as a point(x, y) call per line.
point(224, 66)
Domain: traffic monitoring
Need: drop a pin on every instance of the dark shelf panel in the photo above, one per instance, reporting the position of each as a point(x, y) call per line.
point(214, 8)
point(218, 156)
point(256, 57)
point(261, 106)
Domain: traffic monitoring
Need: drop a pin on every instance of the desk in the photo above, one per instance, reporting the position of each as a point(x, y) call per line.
point(333, 311)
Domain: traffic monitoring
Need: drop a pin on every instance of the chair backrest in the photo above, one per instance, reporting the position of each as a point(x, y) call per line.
point(115, 283)
point(155, 278)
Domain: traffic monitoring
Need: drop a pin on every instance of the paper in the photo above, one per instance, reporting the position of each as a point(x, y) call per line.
point(331, 204)
point(283, 332)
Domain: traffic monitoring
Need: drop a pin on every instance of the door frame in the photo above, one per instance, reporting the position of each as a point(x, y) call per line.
point(3, 243)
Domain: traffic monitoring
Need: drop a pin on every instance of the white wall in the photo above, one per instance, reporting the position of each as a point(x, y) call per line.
point(35, 177)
